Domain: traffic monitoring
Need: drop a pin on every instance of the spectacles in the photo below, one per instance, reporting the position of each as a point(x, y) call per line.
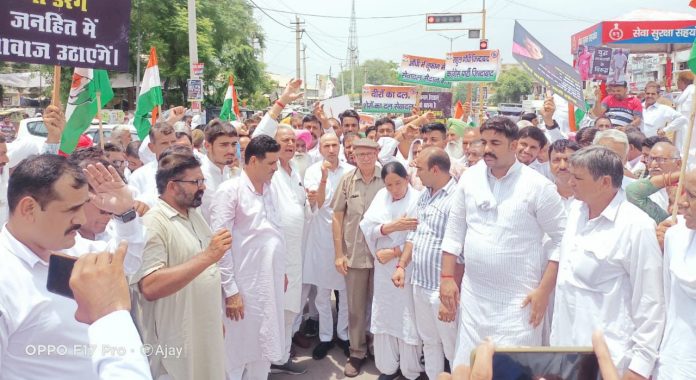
point(199, 182)
point(364, 155)
point(660, 160)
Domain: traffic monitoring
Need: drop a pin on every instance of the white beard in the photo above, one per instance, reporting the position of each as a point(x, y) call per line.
point(301, 161)
point(454, 149)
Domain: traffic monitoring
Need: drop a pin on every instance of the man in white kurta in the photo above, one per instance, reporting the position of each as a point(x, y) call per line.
point(610, 270)
point(31, 317)
point(287, 183)
point(253, 270)
point(143, 180)
point(318, 268)
point(501, 212)
point(221, 148)
point(678, 349)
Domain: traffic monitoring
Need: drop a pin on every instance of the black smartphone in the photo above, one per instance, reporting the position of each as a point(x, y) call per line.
point(549, 363)
point(60, 268)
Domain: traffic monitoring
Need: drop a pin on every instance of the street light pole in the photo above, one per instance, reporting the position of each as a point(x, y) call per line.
point(451, 39)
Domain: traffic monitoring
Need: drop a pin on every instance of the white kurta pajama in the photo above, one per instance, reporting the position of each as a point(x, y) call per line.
point(319, 268)
point(255, 268)
point(610, 278)
point(214, 177)
point(678, 349)
point(497, 226)
point(397, 344)
point(293, 216)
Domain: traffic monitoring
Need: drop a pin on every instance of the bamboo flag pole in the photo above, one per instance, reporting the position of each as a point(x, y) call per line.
point(55, 96)
point(685, 159)
point(99, 117)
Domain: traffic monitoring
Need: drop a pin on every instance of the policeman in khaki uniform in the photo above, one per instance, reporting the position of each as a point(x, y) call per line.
point(353, 259)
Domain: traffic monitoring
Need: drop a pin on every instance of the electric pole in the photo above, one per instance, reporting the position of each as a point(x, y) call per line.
point(304, 69)
point(298, 39)
point(193, 46)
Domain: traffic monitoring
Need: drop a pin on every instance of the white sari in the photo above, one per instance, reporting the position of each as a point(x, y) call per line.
point(392, 307)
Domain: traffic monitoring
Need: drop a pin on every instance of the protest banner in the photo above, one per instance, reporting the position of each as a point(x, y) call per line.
point(440, 103)
point(388, 99)
point(546, 67)
point(423, 70)
point(366, 120)
point(334, 106)
point(472, 66)
point(74, 33)
point(601, 63)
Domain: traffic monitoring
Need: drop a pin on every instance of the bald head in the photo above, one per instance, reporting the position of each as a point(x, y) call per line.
point(328, 137)
point(687, 202)
point(436, 157)
point(665, 149)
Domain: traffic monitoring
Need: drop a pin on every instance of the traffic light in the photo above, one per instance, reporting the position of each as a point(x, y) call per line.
point(483, 44)
point(443, 19)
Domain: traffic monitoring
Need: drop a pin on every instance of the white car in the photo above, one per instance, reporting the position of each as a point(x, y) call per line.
point(32, 129)
point(93, 132)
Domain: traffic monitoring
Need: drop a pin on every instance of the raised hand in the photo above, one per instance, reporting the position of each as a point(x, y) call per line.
point(54, 120)
point(110, 193)
point(220, 243)
point(291, 92)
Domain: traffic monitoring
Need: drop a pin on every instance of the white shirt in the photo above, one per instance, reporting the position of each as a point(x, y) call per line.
point(253, 267)
point(683, 104)
point(543, 169)
point(497, 226)
point(117, 330)
point(4, 206)
point(31, 318)
point(144, 180)
point(636, 166)
point(659, 116)
point(678, 348)
point(610, 278)
point(214, 177)
point(318, 268)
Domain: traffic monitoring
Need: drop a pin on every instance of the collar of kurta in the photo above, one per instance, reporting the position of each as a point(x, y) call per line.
point(247, 182)
point(358, 174)
point(516, 167)
point(225, 169)
point(18, 249)
point(169, 211)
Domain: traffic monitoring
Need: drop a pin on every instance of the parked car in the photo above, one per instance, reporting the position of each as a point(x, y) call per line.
point(32, 129)
point(93, 132)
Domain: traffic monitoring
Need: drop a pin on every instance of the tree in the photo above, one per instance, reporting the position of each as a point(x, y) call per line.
point(226, 31)
point(376, 71)
point(511, 86)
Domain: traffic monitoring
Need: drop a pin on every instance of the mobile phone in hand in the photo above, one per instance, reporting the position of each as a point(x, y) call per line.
point(60, 268)
point(550, 363)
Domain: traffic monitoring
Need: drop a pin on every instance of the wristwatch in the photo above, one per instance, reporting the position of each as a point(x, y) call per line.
point(126, 216)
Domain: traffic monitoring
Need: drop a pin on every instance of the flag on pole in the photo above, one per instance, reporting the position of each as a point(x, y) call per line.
point(692, 57)
point(82, 104)
point(329, 88)
point(230, 106)
point(458, 110)
point(150, 97)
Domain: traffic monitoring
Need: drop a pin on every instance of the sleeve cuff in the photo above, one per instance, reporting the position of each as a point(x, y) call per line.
point(114, 330)
point(452, 247)
point(131, 230)
point(641, 366)
point(230, 289)
point(50, 148)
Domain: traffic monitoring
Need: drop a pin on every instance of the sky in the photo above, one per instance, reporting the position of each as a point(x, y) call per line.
point(550, 21)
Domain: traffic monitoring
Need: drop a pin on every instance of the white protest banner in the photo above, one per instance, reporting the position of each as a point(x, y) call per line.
point(423, 70)
point(388, 99)
point(472, 66)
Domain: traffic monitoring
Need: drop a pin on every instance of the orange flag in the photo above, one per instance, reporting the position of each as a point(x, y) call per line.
point(459, 109)
point(692, 3)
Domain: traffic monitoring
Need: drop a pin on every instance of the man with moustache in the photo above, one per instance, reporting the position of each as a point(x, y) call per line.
point(500, 213)
point(253, 270)
point(350, 121)
point(47, 196)
point(559, 153)
point(348, 151)
point(288, 184)
point(321, 181)
point(531, 142)
point(221, 147)
point(178, 285)
point(161, 137)
point(622, 109)
point(314, 125)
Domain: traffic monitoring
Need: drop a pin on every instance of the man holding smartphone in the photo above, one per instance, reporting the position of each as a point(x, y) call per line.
point(39, 336)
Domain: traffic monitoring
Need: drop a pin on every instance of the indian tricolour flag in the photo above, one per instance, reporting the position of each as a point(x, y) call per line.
point(230, 106)
point(150, 97)
point(82, 104)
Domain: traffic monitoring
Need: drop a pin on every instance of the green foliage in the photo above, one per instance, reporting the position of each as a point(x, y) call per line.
point(511, 86)
point(226, 31)
point(377, 72)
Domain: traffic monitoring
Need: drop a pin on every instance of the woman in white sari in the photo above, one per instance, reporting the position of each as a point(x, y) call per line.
point(416, 147)
point(386, 225)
